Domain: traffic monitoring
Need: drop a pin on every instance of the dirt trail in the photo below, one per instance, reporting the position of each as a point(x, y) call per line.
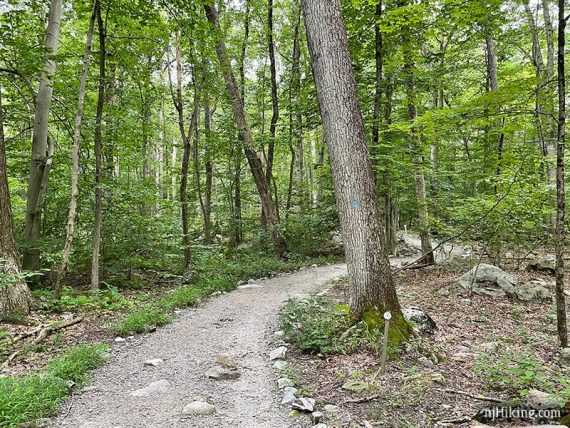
point(239, 323)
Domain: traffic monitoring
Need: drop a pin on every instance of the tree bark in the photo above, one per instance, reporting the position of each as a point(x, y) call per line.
point(15, 296)
point(209, 174)
point(377, 114)
point(371, 286)
point(41, 151)
point(242, 124)
point(274, 97)
point(75, 155)
point(98, 222)
point(562, 326)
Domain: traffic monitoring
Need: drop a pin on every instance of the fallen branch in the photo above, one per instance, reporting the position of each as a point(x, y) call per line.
point(43, 334)
point(459, 420)
point(474, 396)
point(361, 400)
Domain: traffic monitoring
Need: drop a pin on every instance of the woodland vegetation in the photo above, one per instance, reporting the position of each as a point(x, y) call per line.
point(153, 142)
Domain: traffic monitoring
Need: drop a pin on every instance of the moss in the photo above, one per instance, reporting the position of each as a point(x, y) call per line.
point(399, 331)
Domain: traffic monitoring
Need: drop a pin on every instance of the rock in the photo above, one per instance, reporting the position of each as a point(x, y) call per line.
point(226, 360)
point(246, 286)
point(289, 395)
point(284, 382)
point(489, 346)
point(221, 373)
point(542, 264)
point(251, 281)
point(199, 408)
point(424, 361)
point(279, 333)
point(331, 408)
point(461, 356)
point(356, 386)
point(216, 293)
point(157, 387)
point(533, 291)
point(304, 404)
point(465, 302)
point(536, 399)
point(320, 426)
point(422, 321)
point(120, 339)
point(316, 417)
point(488, 280)
point(280, 365)
point(278, 353)
point(155, 362)
point(565, 355)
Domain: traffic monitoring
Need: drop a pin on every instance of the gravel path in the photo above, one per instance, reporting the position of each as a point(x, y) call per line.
point(239, 323)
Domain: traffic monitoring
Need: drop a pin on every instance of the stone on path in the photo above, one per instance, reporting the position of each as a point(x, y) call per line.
point(422, 321)
point(284, 382)
point(289, 395)
point(536, 399)
point(316, 417)
point(120, 339)
point(280, 365)
point(157, 387)
point(304, 404)
point(247, 286)
point(226, 360)
point(356, 386)
point(278, 353)
point(221, 373)
point(155, 362)
point(331, 408)
point(198, 407)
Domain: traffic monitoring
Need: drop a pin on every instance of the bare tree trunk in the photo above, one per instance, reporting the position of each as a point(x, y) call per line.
point(417, 152)
point(372, 289)
point(75, 155)
point(41, 152)
point(251, 154)
point(209, 174)
point(98, 222)
point(549, 35)
point(15, 296)
point(562, 326)
point(274, 97)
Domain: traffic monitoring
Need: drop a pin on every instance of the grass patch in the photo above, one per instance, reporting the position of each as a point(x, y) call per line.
point(213, 273)
point(35, 396)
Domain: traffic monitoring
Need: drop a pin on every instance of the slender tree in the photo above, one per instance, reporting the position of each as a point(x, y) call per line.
point(372, 289)
point(560, 193)
point(242, 124)
point(75, 154)
point(42, 148)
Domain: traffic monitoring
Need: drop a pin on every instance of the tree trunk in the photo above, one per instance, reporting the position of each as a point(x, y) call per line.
point(15, 297)
point(41, 152)
point(209, 174)
point(274, 98)
point(75, 155)
point(562, 326)
point(549, 35)
point(372, 289)
point(98, 222)
point(417, 151)
point(242, 124)
point(377, 114)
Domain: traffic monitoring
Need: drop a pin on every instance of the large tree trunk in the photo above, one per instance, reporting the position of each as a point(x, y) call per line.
point(372, 289)
point(560, 193)
point(41, 152)
point(274, 98)
point(15, 297)
point(98, 222)
point(75, 154)
point(417, 151)
point(242, 124)
point(209, 174)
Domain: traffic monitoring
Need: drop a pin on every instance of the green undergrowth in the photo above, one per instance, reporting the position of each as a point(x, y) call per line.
point(211, 275)
point(38, 395)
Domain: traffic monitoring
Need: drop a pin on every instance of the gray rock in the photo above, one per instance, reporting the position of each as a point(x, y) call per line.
point(320, 426)
point(422, 321)
point(316, 417)
point(533, 291)
point(289, 395)
point(155, 362)
point(488, 280)
point(284, 382)
point(424, 361)
point(226, 360)
point(542, 264)
point(280, 365)
point(465, 302)
point(158, 387)
point(199, 408)
point(246, 286)
point(279, 333)
point(222, 373)
point(278, 353)
point(120, 339)
point(331, 408)
point(541, 400)
point(304, 405)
